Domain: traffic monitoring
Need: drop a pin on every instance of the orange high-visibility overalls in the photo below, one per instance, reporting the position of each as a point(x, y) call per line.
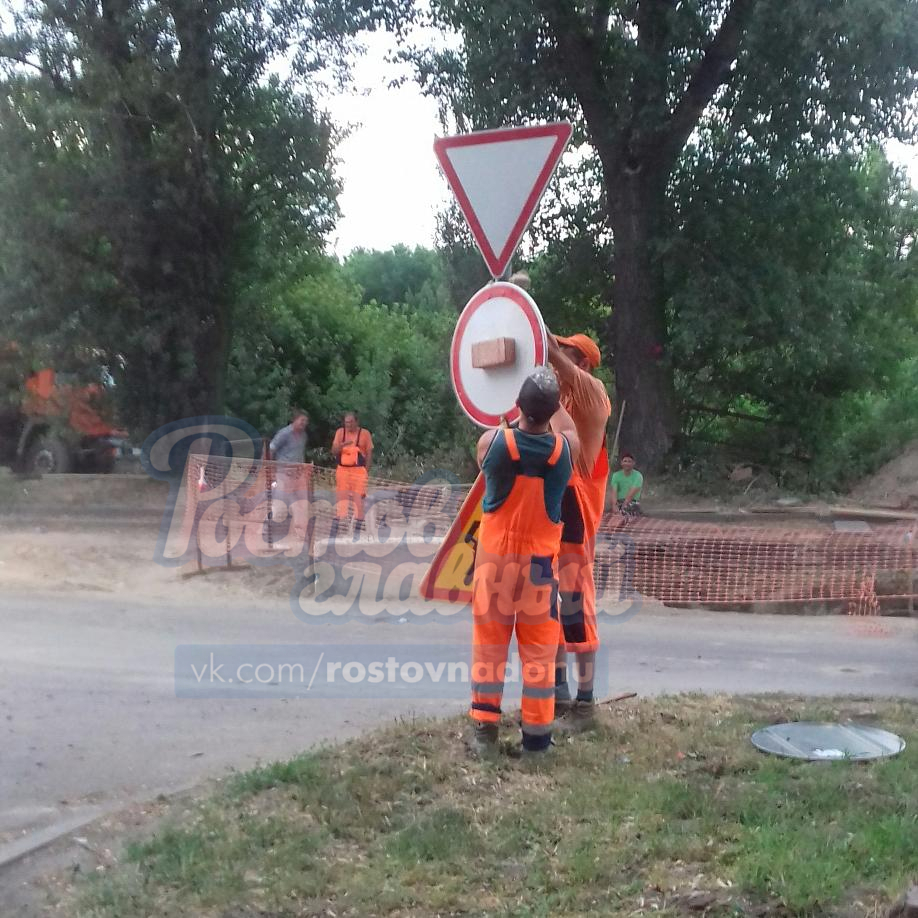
point(351, 475)
point(515, 584)
point(582, 509)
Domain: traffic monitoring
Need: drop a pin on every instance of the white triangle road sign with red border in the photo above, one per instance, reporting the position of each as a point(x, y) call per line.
point(498, 178)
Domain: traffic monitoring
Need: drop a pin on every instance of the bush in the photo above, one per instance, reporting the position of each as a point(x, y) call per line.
point(866, 430)
point(317, 347)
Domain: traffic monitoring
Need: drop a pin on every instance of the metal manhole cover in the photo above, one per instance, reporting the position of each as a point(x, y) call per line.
point(827, 742)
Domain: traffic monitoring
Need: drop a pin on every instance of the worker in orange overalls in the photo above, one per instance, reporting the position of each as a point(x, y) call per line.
point(353, 450)
point(515, 584)
point(586, 400)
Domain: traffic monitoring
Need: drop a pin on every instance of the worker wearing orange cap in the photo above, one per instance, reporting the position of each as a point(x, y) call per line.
point(515, 586)
point(586, 400)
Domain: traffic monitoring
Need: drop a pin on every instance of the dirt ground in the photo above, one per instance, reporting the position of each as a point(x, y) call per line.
point(894, 485)
point(80, 534)
point(86, 536)
point(118, 560)
point(98, 533)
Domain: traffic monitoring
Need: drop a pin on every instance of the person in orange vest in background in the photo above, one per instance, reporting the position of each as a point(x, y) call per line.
point(353, 450)
point(526, 472)
point(585, 398)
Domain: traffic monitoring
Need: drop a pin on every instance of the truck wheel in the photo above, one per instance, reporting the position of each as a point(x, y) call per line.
point(48, 456)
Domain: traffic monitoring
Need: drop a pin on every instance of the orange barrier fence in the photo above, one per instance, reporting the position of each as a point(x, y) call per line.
point(734, 565)
point(262, 508)
point(250, 507)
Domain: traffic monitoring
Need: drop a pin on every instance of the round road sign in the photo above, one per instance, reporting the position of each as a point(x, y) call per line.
point(500, 339)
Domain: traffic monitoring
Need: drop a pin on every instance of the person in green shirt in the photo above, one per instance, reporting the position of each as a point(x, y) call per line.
point(628, 483)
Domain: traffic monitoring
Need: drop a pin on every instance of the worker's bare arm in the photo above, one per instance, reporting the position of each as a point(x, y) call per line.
point(566, 369)
point(484, 444)
point(563, 423)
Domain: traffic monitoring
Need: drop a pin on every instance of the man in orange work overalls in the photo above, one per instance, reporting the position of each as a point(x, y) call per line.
point(585, 398)
point(353, 449)
point(515, 584)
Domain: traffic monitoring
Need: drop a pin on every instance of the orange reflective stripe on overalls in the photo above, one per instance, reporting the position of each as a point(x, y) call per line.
point(583, 507)
point(350, 478)
point(515, 586)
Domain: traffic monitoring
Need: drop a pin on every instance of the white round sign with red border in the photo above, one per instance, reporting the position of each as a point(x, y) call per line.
point(486, 368)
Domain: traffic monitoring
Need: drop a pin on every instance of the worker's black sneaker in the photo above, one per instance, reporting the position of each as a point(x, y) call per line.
point(582, 713)
point(536, 755)
point(535, 747)
point(580, 716)
point(484, 739)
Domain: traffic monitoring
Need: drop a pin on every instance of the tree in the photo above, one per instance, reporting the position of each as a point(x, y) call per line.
point(570, 252)
point(413, 277)
point(792, 292)
point(800, 287)
point(639, 78)
point(464, 270)
point(153, 174)
point(316, 345)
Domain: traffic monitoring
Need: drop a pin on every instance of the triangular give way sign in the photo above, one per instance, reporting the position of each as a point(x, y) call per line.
point(498, 178)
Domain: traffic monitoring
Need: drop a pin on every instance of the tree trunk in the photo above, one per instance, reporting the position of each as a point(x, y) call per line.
point(643, 375)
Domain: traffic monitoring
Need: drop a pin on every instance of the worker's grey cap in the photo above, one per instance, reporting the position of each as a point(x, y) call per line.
point(540, 395)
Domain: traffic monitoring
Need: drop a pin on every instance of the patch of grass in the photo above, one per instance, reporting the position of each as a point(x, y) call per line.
point(813, 832)
point(664, 798)
point(440, 835)
point(304, 770)
point(221, 859)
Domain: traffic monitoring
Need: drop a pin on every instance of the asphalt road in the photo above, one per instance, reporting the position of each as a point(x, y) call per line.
point(91, 715)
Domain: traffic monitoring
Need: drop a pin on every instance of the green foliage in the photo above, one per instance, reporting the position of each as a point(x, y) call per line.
point(399, 276)
point(464, 270)
point(813, 73)
point(786, 84)
point(572, 251)
point(790, 283)
point(863, 430)
point(316, 346)
point(163, 201)
point(404, 821)
point(793, 295)
point(154, 176)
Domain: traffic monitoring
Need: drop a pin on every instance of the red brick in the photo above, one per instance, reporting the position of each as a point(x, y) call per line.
point(498, 352)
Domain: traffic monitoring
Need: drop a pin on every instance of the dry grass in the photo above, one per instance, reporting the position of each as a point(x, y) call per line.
point(665, 808)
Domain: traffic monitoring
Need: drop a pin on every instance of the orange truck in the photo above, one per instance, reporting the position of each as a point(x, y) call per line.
point(52, 424)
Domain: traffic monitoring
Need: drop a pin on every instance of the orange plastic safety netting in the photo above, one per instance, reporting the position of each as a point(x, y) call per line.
point(263, 505)
point(734, 565)
point(266, 506)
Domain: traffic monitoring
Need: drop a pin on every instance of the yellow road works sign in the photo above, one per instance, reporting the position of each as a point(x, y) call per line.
point(450, 576)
